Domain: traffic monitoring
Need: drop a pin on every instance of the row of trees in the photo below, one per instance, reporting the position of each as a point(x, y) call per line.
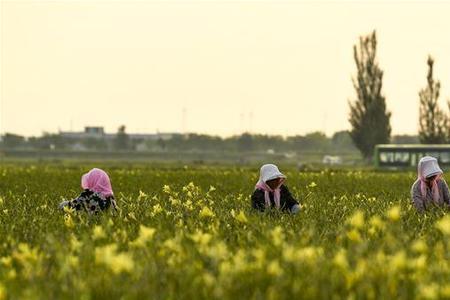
point(316, 141)
point(369, 117)
point(340, 142)
point(57, 141)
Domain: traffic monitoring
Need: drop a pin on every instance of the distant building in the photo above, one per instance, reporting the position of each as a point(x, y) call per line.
point(99, 133)
point(94, 130)
point(89, 132)
point(150, 136)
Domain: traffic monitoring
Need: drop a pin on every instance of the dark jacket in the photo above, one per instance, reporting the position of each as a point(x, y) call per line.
point(287, 201)
point(90, 202)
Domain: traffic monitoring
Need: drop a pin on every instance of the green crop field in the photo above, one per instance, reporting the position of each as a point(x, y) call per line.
point(190, 233)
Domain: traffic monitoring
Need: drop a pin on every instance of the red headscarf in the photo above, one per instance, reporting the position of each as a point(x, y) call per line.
point(97, 180)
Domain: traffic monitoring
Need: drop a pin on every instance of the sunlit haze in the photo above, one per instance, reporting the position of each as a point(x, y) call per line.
point(215, 67)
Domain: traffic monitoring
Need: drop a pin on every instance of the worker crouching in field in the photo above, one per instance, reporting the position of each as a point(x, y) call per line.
point(430, 189)
point(270, 191)
point(97, 195)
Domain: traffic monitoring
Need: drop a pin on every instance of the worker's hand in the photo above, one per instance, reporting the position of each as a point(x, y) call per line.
point(63, 204)
point(295, 209)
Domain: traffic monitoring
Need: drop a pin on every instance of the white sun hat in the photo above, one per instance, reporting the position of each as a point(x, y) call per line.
point(269, 172)
point(428, 166)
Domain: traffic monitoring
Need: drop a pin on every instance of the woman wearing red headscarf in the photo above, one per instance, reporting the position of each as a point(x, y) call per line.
point(97, 195)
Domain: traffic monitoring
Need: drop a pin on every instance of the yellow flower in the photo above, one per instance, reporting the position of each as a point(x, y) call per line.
point(357, 219)
point(6, 261)
point(110, 222)
point(30, 259)
point(142, 195)
point(309, 254)
point(123, 262)
point(429, 291)
point(312, 184)
point(444, 225)
point(372, 230)
point(206, 212)
point(419, 246)
point(117, 262)
point(277, 236)
point(68, 210)
point(274, 268)
point(306, 254)
point(12, 274)
point(377, 222)
point(68, 221)
point(98, 233)
point(419, 263)
point(75, 244)
point(340, 259)
point(218, 251)
point(354, 236)
point(173, 245)
point(156, 209)
point(188, 205)
point(145, 235)
point(2, 292)
point(166, 189)
point(398, 260)
point(225, 268)
point(445, 291)
point(289, 254)
point(260, 256)
point(174, 201)
point(73, 260)
point(208, 279)
point(241, 217)
point(393, 213)
point(201, 238)
point(240, 261)
point(132, 216)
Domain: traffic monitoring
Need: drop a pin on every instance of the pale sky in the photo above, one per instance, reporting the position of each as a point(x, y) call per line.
point(273, 67)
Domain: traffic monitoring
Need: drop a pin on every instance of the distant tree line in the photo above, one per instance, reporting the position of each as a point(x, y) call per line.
point(340, 142)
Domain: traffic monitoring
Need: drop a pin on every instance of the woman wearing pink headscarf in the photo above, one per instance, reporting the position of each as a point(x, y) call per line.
point(97, 195)
point(270, 191)
point(430, 189)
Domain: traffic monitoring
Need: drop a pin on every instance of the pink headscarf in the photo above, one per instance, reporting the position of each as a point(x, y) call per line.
point(269, 172)
point(97, 180)
point(428, 166)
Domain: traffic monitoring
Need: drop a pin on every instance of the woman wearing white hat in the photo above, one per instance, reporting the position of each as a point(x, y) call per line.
point(430, 188)
point(270, 191)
